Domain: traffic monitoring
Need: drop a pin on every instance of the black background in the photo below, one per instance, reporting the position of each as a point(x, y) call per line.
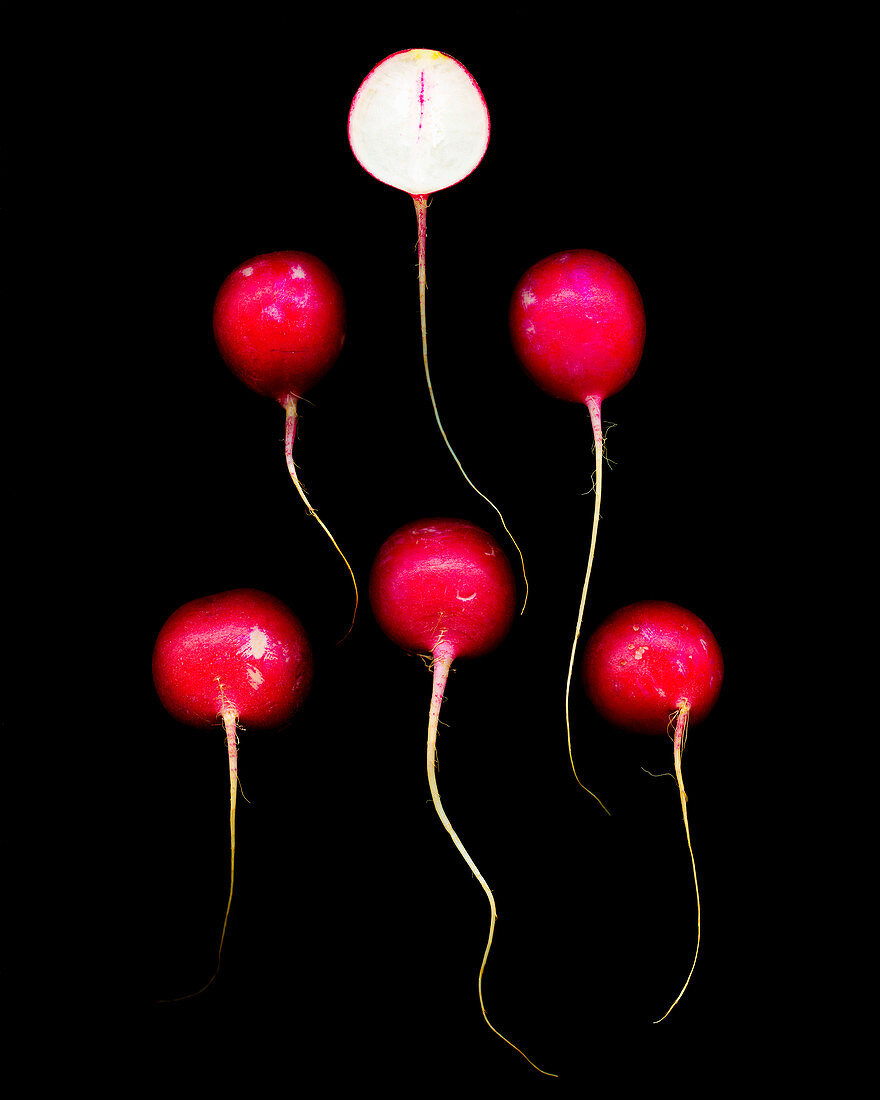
point(356, 930)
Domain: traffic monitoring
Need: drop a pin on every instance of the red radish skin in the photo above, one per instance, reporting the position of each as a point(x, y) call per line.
point(577, 326)
point(652, 667)
point(419, 123)
point(240, 659)
point(443, 584)
point(649, 659)
point(279, 325)
point(444, 587)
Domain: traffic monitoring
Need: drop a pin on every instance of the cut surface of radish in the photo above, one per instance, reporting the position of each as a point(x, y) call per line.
point(419, 122)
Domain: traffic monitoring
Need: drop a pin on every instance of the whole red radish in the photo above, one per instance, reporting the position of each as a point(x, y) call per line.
point(577, 325)
point(444, 587)
point(649, 660)
point(652, 667)
point(279, 325)
point(279, 322)
point(419, 123)
point(238, 659)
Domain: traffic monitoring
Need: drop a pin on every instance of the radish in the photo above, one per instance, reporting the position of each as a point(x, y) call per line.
point(444, 587)
point(279, 325)
point(240, 659)
point(419, 123)
point(652, 667)
point(577, 325)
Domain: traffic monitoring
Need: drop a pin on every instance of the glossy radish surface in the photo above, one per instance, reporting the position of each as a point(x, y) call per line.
point(235, 660)
point(279, 322)
point(279, 325)
point(577, 325)
point(654, 667)
point(648, 660)
point(444, 587)
point(419, 123)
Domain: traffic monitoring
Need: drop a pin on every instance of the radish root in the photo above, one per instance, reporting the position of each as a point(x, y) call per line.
point(594, 406)
point(421, 204)
point(442, 663)
point(230, 726)
point(290, 420)
point(679, 739)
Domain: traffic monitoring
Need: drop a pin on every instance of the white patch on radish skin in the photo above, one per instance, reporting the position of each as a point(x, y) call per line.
point(257, 646)
point(527, 297)
point(247, 271)
point(273, 312)
point(638, 653)
point(297, 272)
point(465, 599)
point(255, 676)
